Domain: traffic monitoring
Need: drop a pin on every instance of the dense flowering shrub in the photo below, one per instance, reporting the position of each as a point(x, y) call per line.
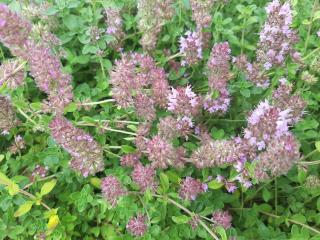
point(159, 119)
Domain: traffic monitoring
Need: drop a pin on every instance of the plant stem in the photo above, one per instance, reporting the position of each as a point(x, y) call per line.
point(203, 224)
point(292, 221)
point(26, 116)
point(116, 121)
point(106, 128)
point(309, 163)
point(308, 155)
point(33, 198)
point(99, 102)
point(276, 195)
point(310, 25)
point(40, 180)
point(311, 53)
point(102, 68)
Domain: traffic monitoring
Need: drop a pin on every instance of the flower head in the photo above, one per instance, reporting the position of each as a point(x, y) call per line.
point(190, 188)
point(222, 218)
point(112, 189)
point(278, 158)
point(183, 101)
point(201, 12)
point(12, 73)
point(160, 152)
point(218, 66)
point(276, 37)
point(191, 47)
point(8, 118)
point(144, 177)
point(14, 30)
point(137, 225)
point(87, 155)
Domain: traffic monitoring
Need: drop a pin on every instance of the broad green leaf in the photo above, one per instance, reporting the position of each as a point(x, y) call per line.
point(23, 209)
point(4, 179)
point(128, 149)
point(1, 157)
point(266, 195)
point(47, 187)
point(53, 222)
point(12, 187)
point(71, 108)
point(222, 232)
point(181, 219)
point(164, 182)
point(318, 145)
point(50, 213)
point(214, 184)
point(96, 182)
point(316, 15)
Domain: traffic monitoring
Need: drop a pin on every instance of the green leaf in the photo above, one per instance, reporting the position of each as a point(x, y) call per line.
point(317, 144)
point(72, 22)
point(181, 219)
point(222, 232)
point(23, 209)
point(12, 187)
point(164, 182)
point(47, 187)
point(214, 184)
point(318, 204)
point(266, 195)
point(50, 213)
point(71, 108)
point(316, 15)
point(128, 149)
point(96, 182)
point(1, 157)
point(53, 222)
point(4, 179)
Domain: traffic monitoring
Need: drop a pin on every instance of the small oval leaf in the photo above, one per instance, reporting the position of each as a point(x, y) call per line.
point(214, 184)
point(47, 187)
point(23, 209)
point(53, 222)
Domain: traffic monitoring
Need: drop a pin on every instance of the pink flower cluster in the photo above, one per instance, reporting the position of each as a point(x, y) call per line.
point(277, 38)
point(133, 76)
point(112, 189)
point(114, 24)
point(14, 30)
point(253, 71)
point(283, 99)
point(8, 119)
point(87, 155)
point(152, 15)
point(190, 188)
point(216, 153)
point(191, 48)
point(39, 171)
point(45, 67)
point(137, 225)
point(12, 73)
point(182, 101)
point(218, 76)
point(144, 177)
point(201, 12)
point(130, 160)
point(222, 218)
point(160, 152)
point(278, 158)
